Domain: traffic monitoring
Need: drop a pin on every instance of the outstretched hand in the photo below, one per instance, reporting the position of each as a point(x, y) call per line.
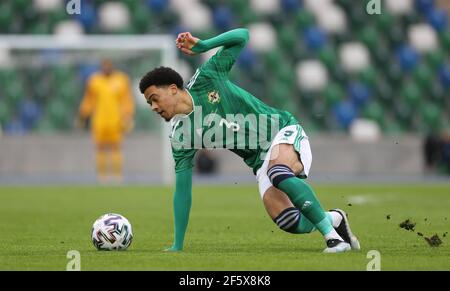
point(185, 42)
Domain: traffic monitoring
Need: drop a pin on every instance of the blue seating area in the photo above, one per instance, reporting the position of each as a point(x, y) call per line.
point(328, 65)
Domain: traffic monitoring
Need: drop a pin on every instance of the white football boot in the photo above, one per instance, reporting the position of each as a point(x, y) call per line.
point(345, 232)
point(337, 246)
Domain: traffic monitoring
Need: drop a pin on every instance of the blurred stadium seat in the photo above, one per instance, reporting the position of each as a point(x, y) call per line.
point(328, 62)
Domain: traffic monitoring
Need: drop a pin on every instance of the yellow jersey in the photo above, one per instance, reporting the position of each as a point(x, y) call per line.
point(108, 101)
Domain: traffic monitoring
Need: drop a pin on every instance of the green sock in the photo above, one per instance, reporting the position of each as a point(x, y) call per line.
point(306, 226)
point(303, 197)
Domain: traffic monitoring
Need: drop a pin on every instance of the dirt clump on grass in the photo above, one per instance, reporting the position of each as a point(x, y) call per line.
point(408, 225)
point(433, 241)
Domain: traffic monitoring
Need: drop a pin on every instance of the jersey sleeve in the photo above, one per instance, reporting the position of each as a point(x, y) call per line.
point(232, 43)
point(182, 201)
point(183, 158)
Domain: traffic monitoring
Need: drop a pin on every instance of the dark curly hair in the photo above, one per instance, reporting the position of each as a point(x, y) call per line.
point(161, 76)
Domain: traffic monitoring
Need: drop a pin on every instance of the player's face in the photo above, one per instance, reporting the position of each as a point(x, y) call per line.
point(107, 66)
point(162, 100)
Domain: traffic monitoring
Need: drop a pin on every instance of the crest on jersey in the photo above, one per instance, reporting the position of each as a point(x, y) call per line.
point(213, 97)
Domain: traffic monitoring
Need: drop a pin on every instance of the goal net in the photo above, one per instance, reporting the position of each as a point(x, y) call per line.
point(52, 72)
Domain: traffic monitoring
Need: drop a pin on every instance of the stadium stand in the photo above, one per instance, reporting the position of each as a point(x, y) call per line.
point(328, 62)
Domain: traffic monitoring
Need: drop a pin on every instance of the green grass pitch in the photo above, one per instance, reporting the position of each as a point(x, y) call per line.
point(228, 229)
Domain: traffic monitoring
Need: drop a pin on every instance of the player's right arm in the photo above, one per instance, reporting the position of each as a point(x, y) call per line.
point(232, 43)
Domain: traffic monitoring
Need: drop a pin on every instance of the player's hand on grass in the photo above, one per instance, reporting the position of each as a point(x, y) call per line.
point(185, 42)
point(173, 249)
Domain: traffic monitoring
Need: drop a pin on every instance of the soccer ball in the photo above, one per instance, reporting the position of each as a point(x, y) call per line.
point(111, 232)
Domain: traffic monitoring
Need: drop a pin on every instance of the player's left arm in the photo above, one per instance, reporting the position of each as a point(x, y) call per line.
point(182, 197)
point(182, 201)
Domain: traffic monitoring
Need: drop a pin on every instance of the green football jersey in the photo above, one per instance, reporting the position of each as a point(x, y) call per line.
point(225, 115)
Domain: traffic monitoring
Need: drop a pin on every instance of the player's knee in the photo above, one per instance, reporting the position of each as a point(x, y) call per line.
point(288, 219)
point(278, 173)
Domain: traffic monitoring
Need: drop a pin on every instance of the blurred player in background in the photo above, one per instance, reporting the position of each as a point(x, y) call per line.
point(289, 200)
point(108, 102)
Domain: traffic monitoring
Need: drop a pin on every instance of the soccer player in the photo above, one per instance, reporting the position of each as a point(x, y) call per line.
point(109, 102)
point(279, 167)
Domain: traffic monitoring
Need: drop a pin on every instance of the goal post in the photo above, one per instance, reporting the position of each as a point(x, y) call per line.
point(35, 55)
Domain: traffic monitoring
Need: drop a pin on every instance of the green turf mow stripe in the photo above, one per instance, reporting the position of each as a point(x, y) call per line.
point(228, 229)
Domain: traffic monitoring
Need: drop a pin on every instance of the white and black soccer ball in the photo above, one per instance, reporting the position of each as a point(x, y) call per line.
point(112, 232)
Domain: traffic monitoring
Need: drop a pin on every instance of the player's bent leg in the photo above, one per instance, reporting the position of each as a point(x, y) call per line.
point(290, 219)
point(281, 210)
point(284, 214)
point(285, 154)
point(282, 171)
point(275, 201)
